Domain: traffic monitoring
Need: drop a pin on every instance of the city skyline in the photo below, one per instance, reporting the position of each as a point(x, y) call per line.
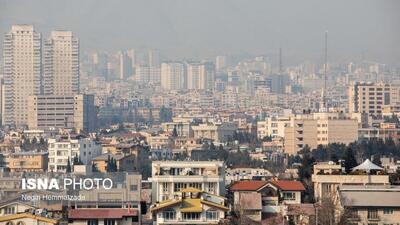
point(260, 28)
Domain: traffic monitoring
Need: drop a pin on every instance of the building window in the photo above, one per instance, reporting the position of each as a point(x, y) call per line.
point(165, 187)
point(372, 214)
point(211, 188)
point(387, 211)
point(289, 196)
point(191, 216)
point(10, 223)
point(212, 215)
point(92, 222)
point(109, 222)
point(169, 215)
point(134, 187)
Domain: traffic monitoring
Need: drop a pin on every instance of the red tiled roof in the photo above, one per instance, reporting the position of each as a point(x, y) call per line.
point(289, 185)
point(248, 185)
point(101, 213)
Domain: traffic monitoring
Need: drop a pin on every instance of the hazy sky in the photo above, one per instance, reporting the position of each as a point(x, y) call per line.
point(187, 28)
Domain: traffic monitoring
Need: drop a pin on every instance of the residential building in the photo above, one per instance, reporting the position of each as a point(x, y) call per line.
point(221, 62)
point(273, 127)
point(217, 131)
point(383, 131)
point(61, 150)
point(125, 66)
point(173, 76)
point(190, 206)
point(27, 161)
point(371, 98)
point(257, 200)
point(328, 176)
point(128, 163)
point(319, 129)
point(106, 216)
point(27, 218)
point(182, 128)
point(61, 64)
point(22, 72)
point(62, 111)
point(169, 177)
point(370, 204)
point(146, 74)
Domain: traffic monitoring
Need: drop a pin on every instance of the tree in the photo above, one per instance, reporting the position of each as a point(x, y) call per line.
point(175, 132)
point(68, 169)
point(94, 168)
point(349, 160)
point(34, 141)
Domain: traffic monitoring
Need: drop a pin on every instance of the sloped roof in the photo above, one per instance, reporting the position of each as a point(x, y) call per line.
point(191, 205)
point(101, 213)
point(289, 185)
point(367, 165)
point(248, 185)
point(27, 215)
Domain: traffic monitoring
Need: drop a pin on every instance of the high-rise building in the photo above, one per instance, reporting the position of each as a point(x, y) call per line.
point(132, 56)
point(371, 98)
point(200, 76)
point(207, 76)
point(61, 64)
point(22, 72)
point(193, 75)
point(220, 62)
point(125, 66)
point(146, 74)
point(154, 58)
point(173, 76)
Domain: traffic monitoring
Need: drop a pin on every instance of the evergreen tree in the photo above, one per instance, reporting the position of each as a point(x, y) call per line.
point(349, 160)
point(175, 132)
point(34, 141)
point(69, 169)
point(94, 168)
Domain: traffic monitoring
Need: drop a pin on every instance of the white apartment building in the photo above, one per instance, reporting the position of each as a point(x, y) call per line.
point(207, 76)
point(61, 64)
point(273, 127)
point(169, 177)
point(173, 76)
point(367, 97)
point(147, 74)
point(218, 131)
point(193, 75)
point(60, 150)
point(125, 66)
point(22, 72)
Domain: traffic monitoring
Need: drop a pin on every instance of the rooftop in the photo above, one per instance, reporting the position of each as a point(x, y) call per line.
point(97, 213)
point(248, 185)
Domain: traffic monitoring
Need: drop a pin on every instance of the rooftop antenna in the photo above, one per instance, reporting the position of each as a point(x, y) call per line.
point(280, 60)
point(325, 71)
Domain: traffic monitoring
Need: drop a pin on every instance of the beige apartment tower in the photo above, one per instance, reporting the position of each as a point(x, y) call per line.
point(61, 64)
point(367, 97)
point(22, 72)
